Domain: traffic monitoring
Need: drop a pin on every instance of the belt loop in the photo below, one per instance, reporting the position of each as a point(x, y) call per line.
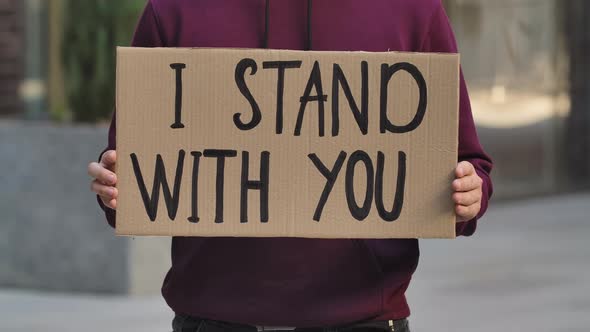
point(391, 326)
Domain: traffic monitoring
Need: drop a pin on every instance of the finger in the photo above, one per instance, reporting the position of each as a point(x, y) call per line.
point(109, 159)
point(464, 168)
point(110, 203)
point(98, 172)
point(104, 191)
point(468, 183)
point(467, 198)
point(466, 213)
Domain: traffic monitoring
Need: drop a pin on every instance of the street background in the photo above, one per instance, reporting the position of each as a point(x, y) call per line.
point(527, 63)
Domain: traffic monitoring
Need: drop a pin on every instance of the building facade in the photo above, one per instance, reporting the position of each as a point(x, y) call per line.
point(11, 50)
point(524, 64)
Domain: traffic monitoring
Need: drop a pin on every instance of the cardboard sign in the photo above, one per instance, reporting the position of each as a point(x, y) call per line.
point(276, 143)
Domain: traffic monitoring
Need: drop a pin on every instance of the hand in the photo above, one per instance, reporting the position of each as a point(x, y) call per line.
point(467, 194)
point(105, 179)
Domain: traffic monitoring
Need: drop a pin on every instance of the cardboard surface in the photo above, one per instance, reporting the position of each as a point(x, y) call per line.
point(245, 142)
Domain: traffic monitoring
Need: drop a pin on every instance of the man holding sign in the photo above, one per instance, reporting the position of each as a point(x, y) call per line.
point(310, 197)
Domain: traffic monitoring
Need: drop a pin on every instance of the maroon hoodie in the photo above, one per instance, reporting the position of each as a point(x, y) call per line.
point(293, 281)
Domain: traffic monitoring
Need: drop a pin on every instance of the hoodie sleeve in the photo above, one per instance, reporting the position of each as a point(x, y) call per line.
point(441, 39)
point(147, 34)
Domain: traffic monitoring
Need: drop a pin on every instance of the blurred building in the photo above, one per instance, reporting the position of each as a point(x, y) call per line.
point(524, 62)
point(515, 62)
point(12, 36)
point(527, 66)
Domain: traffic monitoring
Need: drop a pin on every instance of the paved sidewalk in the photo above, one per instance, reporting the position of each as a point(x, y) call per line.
point(527, 269)
point(46, 312)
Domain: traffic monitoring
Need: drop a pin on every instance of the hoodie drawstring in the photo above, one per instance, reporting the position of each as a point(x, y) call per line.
point(308, 45)
point(309, 5)
point(266, 20)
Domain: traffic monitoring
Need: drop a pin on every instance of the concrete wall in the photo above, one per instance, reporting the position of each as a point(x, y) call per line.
point(53, 235)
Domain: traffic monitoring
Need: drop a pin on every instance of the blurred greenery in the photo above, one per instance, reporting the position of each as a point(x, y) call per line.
point(92, 30)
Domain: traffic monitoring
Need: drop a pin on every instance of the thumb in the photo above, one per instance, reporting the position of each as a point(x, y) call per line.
point(109, 159)
point(464, 168)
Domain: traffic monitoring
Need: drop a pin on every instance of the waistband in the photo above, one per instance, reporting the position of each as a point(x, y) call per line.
point(190, 324)
point(390, 325)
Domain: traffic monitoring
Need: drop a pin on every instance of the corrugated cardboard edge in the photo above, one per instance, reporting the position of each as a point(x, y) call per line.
point(458, 116)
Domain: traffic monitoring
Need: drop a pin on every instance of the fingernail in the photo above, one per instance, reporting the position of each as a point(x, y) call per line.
point(111, 179)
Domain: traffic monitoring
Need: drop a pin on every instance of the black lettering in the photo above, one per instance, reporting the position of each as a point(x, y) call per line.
point(262, 185)
point(171, 200)
point(361, 116)
point(315, 81)
point(194, 218)
point(386, 73)
point(178, 67)
point(281, 66)
point(398, 201)
point(330, 175)
point(359, 212)
point(243, 87)
point(219, 183)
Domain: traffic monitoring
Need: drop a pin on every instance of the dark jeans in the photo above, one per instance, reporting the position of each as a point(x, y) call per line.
point(182, 323)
